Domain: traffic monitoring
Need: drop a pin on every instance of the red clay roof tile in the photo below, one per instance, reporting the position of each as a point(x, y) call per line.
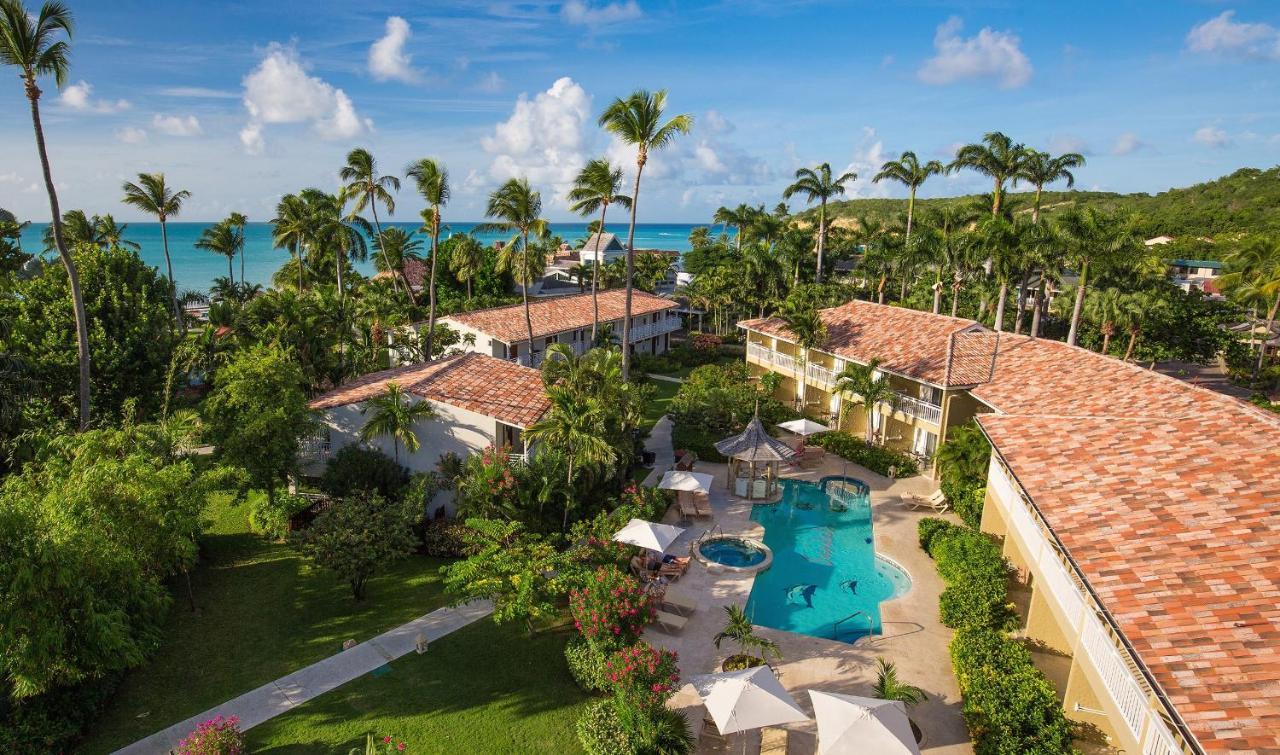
point(557, 314)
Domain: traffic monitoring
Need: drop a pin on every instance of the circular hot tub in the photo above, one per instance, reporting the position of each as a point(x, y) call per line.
point(734, 553)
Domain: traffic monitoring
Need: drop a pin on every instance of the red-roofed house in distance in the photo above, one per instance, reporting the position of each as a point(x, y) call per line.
point(478, 401)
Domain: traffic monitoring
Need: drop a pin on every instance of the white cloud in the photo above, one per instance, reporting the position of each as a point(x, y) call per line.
point(1126, 144)
point(131, 135)
point(868, 156)
point(704, 157)
point(387, 58)
point(176, 125)
point(987, 55)
point(580, 13)
point(10, 178)
point(544, 140)
point(78, 96)
point(1222, 35)
point(491, 82)
point(279, 90)
point(713, 122)
point(1060, 143)
point(1211, 137)
point(201, 93)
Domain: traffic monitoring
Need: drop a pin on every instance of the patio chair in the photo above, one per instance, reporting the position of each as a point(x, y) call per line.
point(669, 622)
point(937, 502)
point(702, 504)
point(773, 741)
point(641, 572)
point(674, 568)
point(677, 604)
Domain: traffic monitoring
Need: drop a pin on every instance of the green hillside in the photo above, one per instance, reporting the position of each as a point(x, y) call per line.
point(1247, 200)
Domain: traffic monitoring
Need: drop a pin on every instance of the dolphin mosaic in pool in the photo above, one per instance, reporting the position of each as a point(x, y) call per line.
point(825, 568)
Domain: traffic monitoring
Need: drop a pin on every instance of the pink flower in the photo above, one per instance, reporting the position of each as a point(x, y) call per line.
point(400, 747)
point(387, 739)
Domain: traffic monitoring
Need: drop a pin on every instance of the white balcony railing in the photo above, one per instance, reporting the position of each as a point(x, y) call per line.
point(649, 330)
point(914, 407)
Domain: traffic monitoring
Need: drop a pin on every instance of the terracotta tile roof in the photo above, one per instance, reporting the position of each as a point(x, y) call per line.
point(906, 341)
point(496, 388)
point(1175, 525)
point(557, 314)
point(415, 271)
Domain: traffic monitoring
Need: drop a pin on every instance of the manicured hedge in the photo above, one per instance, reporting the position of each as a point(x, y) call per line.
point(1009, 705)
point(876, 458)
point(966, 499)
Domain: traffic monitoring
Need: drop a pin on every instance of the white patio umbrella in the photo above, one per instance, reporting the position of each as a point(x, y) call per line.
point(803, 427)
point(655, 537)
point(747, 699)
point(848, 724)
point(693, 482)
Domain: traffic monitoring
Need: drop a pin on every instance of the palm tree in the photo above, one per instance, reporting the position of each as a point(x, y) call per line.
point(638, 121)
point(1138, 306)
point(152, 195)
point(1041, 168)
point(1254, 266)
point(363, 185)
point(432, 180)
point(997, 157)
point(867, 383)
point(466, 257)
point(575, 425)
point(112, 233)
point(889, 687)
point(595, 188)
point(908, 171)
point(1095, 238)
point(518, 210)
point(30, 43)
point(1106, 309)
point(239, 221)
point(395, 416)
point(1000, 242)
point(289, 229)
point(739, 629)
point(738, 217)
point(817, 183)
point(809, 332)
point(221, 238)
point(397, 247)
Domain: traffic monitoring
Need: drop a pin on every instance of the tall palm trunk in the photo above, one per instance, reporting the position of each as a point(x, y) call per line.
point(524, 290)
point(568, 499)
point(395, 274)
point(1262, 347)
point(641, 157)
point(1004, 294)
point(1107, 330)
point(1022, 301)
point(1078, 308)
point(937, 292)
point(884, 278)
point(1133, 339)
point(242, 257)
point(73, 276)
point(955, 298)
point(822, 237)
point(173, 285)
point(231, 275)
point(431, 286)
point(911, 212)
point(1037, 306)
point(595, 275)
point(996, 193)
point(300, 282)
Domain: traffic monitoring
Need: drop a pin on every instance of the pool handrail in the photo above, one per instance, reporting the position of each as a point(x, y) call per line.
point(835, 627)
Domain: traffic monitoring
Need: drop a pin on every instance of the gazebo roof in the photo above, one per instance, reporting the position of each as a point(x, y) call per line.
point(754, 444)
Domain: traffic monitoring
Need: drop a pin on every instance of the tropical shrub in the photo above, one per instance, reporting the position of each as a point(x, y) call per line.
point(928, 529)
point(975, 573)
point(357, 536)
point(446, 538)
point(420, 492)
point(1009, 705)
point(601, 730)
point(967, 500)
point(642, 677)
point(50, 721)
point(876, 458)
point(611, 609)
point(271, 517)
point(586, 665)
point(356, 470)
point(964, 458)
point(524, 575)
point(217, 736)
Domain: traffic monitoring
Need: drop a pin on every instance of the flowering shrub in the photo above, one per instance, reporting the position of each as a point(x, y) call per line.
point(611, 610)
point(586, 665)
point(488, 480)
point(642, 677)
point(217, 736)
point(706, 342)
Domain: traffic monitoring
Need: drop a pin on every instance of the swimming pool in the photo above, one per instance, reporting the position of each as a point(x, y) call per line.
point(825, 569)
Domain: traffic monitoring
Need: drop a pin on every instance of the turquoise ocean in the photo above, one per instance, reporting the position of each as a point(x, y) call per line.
point(195, 269)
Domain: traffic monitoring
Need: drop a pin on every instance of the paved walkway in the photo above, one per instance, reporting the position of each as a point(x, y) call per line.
point(664, 456)
point(288, 692)
point(664, 378)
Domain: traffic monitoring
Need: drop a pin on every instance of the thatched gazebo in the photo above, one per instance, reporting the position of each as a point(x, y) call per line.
point(754, 461)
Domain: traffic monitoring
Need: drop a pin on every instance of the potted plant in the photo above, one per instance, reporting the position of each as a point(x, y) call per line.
point(739, 629)
point(889, 687)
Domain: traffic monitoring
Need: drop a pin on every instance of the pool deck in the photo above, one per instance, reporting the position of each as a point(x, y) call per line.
point(914, 639)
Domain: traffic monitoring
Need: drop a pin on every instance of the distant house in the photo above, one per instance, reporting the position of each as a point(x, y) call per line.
point(502, 332)
point(415, 272)
point(602, 248)
point(1200, 275)
point(479, 401)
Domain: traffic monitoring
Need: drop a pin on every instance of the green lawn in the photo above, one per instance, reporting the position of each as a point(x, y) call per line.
point(263, 613)
point(485, 688)
point(721, 358)
point(664, 391)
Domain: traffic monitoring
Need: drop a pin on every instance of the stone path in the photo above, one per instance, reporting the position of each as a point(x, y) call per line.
point(664, 456)
point(288, 692)
point(664, 378)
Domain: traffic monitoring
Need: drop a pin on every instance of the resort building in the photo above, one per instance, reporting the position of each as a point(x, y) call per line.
point(1142, 515)
point(1200, 275)
point(602, 248)
point(502, 331)
point(478, 401)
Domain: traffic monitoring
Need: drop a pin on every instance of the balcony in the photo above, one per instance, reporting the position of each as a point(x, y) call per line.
point(922, 410)
point(650, 330)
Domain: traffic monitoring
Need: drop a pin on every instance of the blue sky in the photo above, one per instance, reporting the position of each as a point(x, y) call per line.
point(241, 102)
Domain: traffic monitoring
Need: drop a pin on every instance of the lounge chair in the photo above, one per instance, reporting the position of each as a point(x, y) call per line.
point(641, 572)
point(814, 454)
point(675, 568)
point(702, 504)
point(688, 504)
point(773, 741)
point(669, 622)
point(937, 502)
point(677, 604)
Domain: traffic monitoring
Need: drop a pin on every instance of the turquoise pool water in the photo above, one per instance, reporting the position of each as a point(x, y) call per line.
point(825, 567)
point(732, 552)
